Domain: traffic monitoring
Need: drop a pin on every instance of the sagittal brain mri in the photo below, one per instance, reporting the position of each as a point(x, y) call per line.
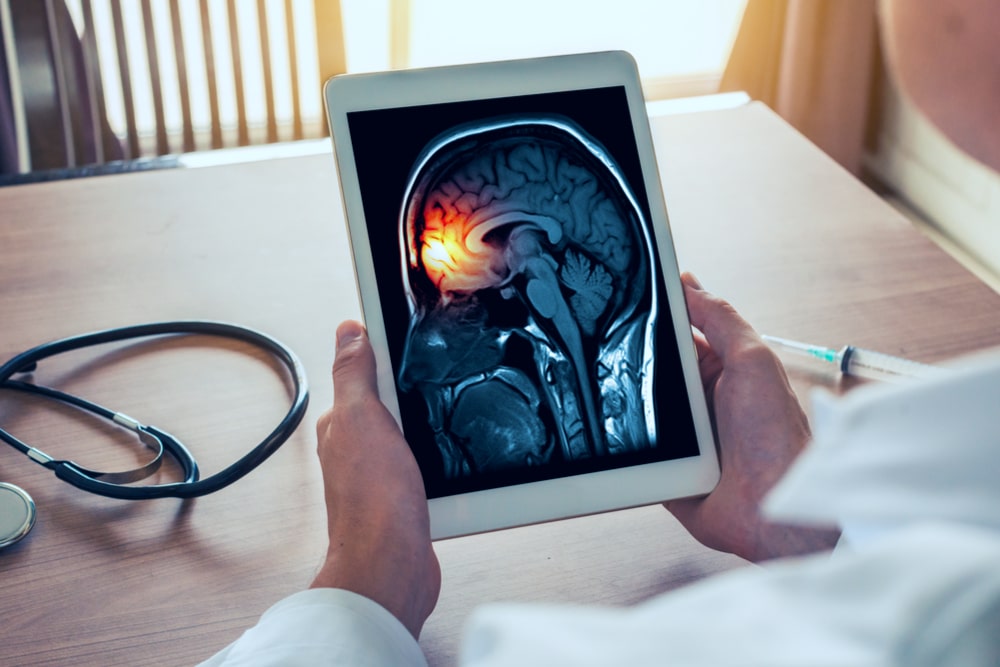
point(530, 277)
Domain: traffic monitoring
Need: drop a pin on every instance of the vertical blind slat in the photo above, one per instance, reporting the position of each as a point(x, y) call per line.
point(293, 67)
point(83, 126)
point(91, 69)
point(243, 132)
point(265, 58)
point(400, 26)
point(213, 83)
point(62, 91)
point(153, 64)
point(16, 94)
point(180, 62)
point(132, 134)
point(329, 42)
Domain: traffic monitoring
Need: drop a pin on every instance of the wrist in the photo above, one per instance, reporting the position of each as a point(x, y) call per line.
point(408, 588)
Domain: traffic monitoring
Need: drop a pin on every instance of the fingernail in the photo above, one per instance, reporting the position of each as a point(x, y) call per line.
point(694, 282)
point(347, 334)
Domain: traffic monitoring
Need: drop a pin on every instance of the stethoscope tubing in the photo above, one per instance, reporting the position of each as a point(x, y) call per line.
point(191, 486)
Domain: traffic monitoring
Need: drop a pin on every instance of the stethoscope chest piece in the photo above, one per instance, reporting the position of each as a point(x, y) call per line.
point(17, 514)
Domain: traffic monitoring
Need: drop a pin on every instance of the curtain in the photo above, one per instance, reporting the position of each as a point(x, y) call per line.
point(813, 62)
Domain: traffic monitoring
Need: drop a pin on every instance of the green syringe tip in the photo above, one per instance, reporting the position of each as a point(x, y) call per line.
point(815, 351)
point(824, 353)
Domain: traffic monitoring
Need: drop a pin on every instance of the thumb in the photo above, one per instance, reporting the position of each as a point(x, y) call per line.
point(723, 327)
point(354, 367)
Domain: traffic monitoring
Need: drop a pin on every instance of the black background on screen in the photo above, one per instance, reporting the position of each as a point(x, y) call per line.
point(386, 144)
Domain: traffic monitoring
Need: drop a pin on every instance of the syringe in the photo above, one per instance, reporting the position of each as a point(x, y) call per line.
point(859, 361)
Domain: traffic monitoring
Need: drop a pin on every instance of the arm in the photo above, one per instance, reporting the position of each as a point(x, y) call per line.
point(760, 429)
point(380, 579)
point(380, 545)
point(945, 55)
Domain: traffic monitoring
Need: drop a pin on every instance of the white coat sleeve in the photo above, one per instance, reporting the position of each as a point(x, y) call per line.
point(927, 595)
point(323, 626)
point(911, 471)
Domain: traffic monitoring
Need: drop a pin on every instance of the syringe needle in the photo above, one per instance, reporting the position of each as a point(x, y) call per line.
point(858, 361)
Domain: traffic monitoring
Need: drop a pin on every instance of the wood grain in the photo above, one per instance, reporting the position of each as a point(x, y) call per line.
point(759, 214)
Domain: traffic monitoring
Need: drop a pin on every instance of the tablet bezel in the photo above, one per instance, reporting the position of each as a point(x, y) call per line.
point(563, 497)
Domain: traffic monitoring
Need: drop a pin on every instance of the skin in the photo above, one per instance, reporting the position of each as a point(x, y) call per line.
point(377, 520)
point(945, 55)
point(378, 525)
point(760, 429)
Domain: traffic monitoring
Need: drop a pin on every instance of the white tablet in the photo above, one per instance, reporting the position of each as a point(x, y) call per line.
point(519, 285)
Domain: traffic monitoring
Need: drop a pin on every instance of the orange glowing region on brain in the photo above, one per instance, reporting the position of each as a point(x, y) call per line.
point(454, 256)
point(440, 255)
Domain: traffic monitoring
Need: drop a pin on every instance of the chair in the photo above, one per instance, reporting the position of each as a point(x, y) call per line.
point(56, 76)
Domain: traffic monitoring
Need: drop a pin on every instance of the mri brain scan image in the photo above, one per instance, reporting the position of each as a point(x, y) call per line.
point(530, 275)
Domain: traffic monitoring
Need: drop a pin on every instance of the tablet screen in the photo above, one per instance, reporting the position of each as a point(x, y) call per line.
point(521, 289)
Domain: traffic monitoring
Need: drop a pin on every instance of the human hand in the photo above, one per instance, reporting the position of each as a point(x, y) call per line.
point(760, 429)
point(377, 517)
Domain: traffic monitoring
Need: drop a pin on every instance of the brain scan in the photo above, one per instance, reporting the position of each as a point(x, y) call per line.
point(530, 277)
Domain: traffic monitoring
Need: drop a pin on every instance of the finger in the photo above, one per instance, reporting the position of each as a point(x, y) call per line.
point(354, 367)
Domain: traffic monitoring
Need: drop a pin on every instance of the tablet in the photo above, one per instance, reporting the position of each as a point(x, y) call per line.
point(519, 286)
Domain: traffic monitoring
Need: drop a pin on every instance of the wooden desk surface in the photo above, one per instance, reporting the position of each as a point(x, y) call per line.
point(760, 215)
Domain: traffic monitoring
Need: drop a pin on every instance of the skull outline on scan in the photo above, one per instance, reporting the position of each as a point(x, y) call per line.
point(530, 276)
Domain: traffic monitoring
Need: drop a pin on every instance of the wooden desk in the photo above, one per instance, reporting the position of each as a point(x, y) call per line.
point(760, 215)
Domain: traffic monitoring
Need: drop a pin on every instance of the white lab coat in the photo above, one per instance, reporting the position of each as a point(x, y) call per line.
point(912, 473)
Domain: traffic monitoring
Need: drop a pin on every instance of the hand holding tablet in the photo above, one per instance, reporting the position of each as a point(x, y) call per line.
point(519, 285)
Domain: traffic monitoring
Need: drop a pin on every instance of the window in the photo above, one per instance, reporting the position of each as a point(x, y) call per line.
point(681, 46)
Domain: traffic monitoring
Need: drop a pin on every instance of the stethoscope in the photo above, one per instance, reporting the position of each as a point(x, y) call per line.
point(160, 442)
